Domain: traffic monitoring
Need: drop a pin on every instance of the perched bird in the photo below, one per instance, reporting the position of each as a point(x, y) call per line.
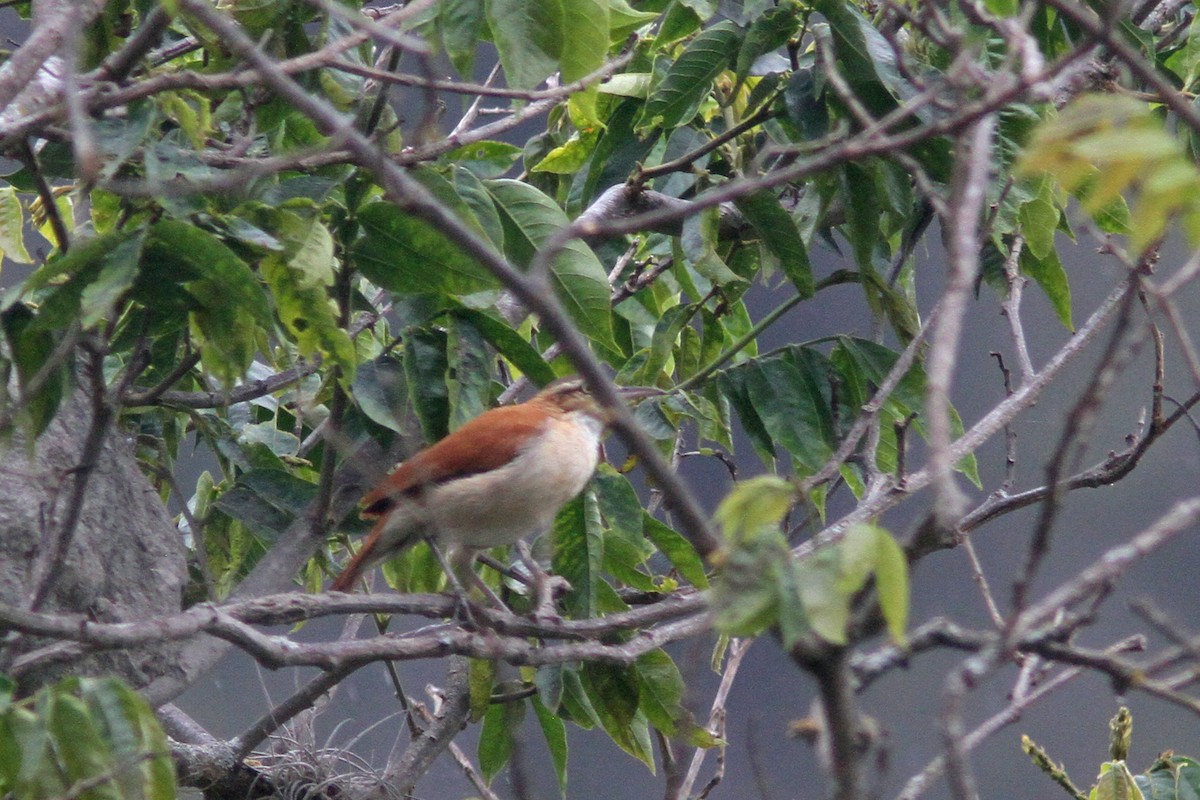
point(501, 476)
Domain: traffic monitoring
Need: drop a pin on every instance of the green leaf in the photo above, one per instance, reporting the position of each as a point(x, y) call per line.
point(660, 691)
point(732, 386)
point(826, 606)
point(529, 35)
point(583, 53)
point(485, 159)
point(510, 344)
point(381, 393)
point(619, 503)
point(1115, 783)
point(481, 679)
point(891, 582)
point(142, 759)
point(567, 159)
point(614, 694)
point(767, 33)
point(866, 58)
point(309, 314)
point(81, 752)
point(861, 362)
point(404, 254)
point(752, 579)
point(460, 23)
point(479, 204)
point(804, 100)
point(858, 550)
point(1171, 777)
point(1039, 219)
point(31, 348)
point(530, 220)
point(624, 19)
point(230, 305)
point(266, 500)
point(575, 703)
point(699, 244)
point(579, 554)
point(425, 368)
point(469, 372)
point(789, 391)
point(190, 111)
point(12, 227)
point(1052, 278)
point(628, 84)
point(677, 549)
point(555, 732)
point(752, 505)
point(688, 80)
point(781, 237)
point(500, 726)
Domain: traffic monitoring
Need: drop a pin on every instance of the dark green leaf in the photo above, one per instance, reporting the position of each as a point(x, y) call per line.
point(231, 307)
point(460, 23)
point(425, 370)
point(579, 554)
point(380, 391)
point(485, 159)
point(678, 550)
point(80, 750)
point(781, 236)
point(500, 726)
point(31, 348)
point(583, 53)
point(767, 33)
point(732, 384)
point(469, 372)
point(575, 703)
point(1052, 278)
point(790, 392)
point(511, 345)
point(475, 198)
point(404, 254)
point(614, 694)
point(580, 280)
point(687, 82)
point(660, 690)
point(529, 36)
point(556, 741)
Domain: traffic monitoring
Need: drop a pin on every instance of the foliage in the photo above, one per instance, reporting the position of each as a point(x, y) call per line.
point(1170, 777)
point(94, 739)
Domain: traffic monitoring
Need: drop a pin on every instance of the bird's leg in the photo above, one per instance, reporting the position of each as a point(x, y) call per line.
point(462, 604)
point(546, 587)
point(473, 576)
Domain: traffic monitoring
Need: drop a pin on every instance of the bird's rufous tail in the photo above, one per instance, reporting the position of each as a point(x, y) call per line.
point(354, 570)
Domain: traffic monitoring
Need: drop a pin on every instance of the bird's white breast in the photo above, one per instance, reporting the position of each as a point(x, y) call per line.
point(522, 497)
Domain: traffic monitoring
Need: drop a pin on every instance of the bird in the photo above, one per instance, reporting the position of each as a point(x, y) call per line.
point(500, 477)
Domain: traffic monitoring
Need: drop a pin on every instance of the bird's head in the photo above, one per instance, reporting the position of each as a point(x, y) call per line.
point(572, 394)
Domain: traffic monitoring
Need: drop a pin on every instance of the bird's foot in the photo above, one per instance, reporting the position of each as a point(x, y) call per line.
point(464, 612)
point(547, 590)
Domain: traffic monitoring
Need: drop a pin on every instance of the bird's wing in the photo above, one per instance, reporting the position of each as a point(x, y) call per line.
point(485, 443)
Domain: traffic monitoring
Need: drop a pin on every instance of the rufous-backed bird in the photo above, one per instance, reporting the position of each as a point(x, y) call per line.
point(501, 476)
